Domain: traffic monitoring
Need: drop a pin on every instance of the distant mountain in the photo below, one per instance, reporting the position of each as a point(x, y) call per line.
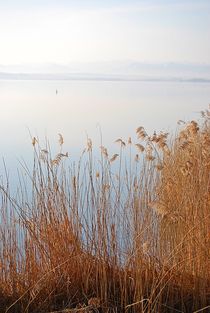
point(126, 70)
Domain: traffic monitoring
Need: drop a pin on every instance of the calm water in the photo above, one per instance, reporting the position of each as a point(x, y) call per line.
point(80, 107)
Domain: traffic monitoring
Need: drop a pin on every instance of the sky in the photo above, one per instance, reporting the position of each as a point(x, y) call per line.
point(82, 31)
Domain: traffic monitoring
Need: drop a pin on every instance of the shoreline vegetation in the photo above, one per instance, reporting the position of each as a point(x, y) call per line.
point(128, 232)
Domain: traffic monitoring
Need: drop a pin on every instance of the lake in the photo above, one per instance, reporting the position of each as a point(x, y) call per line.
point(78, 109)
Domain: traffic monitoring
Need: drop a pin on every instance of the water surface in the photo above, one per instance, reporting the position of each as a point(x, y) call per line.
point(80, 108)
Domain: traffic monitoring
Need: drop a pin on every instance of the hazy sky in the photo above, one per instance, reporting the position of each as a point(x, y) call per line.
point(66, 31)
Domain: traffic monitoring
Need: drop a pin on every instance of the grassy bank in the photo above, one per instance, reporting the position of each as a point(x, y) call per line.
point(128, 232)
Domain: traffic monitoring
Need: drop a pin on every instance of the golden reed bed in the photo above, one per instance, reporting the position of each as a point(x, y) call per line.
point(128, 232)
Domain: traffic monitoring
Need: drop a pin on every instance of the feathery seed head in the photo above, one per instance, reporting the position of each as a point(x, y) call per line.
point(34, 141)
point(114, 157)
point(121, 142)
point(160, 208)
point(60, 140)
point(89, 144)
point(104, 151)
point(139, 129)
point(140, 147)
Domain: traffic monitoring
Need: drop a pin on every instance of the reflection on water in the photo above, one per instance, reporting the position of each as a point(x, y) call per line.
point(78, 108)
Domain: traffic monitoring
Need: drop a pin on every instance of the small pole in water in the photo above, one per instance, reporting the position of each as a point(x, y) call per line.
point(56, 91)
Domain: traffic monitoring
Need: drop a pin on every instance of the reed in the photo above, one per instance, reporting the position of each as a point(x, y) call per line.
point(126, 233)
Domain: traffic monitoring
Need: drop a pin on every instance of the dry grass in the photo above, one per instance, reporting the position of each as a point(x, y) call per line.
point(128, 233)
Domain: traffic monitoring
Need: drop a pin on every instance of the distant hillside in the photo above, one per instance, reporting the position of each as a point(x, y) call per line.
point(125, 71)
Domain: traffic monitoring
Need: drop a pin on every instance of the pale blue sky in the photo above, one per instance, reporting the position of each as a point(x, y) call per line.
point(68, 31)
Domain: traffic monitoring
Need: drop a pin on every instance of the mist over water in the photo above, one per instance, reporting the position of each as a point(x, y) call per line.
point(82, 108)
